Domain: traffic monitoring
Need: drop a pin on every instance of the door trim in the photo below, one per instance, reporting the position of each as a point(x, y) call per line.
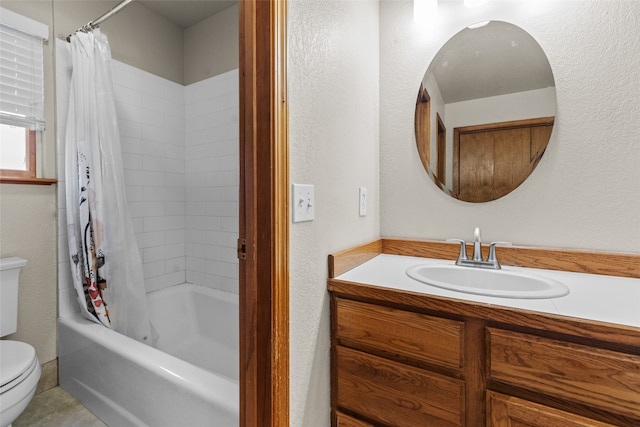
point(264, 215)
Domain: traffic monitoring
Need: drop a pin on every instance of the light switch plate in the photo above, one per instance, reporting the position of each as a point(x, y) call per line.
point(302, 202)
point(362, 201)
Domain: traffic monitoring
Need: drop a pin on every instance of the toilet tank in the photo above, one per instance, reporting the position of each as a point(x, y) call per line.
point(9, 275)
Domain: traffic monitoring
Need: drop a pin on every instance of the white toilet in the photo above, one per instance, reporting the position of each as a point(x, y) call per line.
point(19, 367)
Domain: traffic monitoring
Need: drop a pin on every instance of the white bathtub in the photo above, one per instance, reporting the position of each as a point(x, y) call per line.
point(127, 383)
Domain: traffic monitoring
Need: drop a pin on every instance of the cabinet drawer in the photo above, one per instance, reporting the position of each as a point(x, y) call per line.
point(509, 411)
point(347, 421)
point(405, 333)
point(395, 394)
point(592, 376)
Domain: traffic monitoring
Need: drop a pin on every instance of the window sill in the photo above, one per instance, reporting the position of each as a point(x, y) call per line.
point(32, 181)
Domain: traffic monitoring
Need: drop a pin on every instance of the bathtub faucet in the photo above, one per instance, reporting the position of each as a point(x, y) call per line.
point(477, 261)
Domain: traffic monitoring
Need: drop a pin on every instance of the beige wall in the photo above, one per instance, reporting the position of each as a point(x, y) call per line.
point(137, 35)
point(28, 220)
point(211, 46)
point(144, 39)
point(27, 230)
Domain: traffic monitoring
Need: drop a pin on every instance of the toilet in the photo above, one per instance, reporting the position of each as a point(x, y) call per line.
point(19, 367)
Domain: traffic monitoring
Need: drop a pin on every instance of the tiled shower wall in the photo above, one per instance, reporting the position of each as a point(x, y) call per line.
point(151, 120)
point(212, 181)
point(186, 223)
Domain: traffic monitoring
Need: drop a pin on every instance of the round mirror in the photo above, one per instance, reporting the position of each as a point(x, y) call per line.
point(485, 111)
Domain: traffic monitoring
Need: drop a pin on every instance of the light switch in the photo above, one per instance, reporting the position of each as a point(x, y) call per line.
point(362, 201)
point(302, 202)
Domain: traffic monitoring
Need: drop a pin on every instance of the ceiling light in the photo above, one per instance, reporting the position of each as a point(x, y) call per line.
point(474, 3)
point(424, 10)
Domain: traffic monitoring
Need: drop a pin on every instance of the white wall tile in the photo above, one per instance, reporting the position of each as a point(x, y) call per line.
point(174, 208)
point(162, 253)
point(150, 239)
point(153, 269)
point(175, 236)
point(134, 193)
point(67, 302)
point(152, 113)
point(164, 281)
point(175, 265)
point(212, 171)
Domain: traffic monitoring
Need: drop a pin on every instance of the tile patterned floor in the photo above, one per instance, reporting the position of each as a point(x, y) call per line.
point(56, 408)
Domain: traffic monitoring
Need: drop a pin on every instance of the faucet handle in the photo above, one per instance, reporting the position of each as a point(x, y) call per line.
point(492, 251)
point(462, 256)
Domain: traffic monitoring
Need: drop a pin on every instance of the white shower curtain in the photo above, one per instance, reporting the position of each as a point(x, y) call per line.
point(105, 262)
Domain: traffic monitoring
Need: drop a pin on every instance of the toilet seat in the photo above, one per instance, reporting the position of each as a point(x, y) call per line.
point(19, 374)
point(17, 361)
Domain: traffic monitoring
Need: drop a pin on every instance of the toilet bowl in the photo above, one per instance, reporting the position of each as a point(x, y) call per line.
point(19, 374)
point(19, 366)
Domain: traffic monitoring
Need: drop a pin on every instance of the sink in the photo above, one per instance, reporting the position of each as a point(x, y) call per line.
point(502, 283)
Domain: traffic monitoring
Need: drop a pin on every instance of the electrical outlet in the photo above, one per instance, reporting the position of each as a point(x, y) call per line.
point(362, 201)
point(302, 202)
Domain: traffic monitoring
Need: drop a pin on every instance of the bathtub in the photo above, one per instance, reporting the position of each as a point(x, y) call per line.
point(189, 379)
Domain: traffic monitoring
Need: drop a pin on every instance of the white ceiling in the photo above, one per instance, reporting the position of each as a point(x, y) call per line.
point(496, 59)
point(185, 13)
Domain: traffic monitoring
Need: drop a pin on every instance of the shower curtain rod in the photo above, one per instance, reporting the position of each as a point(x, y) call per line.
point(91, 25)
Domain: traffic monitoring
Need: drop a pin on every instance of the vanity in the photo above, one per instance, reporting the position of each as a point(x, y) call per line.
point(405, 353)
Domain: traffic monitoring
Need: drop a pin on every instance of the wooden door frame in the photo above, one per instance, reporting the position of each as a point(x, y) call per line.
point(264, 215)
point(441, 150)
point(423, 145)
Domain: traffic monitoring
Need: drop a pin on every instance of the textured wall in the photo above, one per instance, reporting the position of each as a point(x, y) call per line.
point(585, 193)
point(333, 128)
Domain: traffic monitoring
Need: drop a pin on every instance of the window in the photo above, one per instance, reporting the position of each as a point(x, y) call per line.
point(21, 93)
point(17, 152)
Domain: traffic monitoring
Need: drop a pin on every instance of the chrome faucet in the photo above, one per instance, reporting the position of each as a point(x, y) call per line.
point(476, 260)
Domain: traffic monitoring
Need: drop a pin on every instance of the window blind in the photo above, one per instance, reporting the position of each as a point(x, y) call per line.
point(21, 78)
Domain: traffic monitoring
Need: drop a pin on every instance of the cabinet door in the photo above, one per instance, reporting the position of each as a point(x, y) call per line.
point(509, 411)
point(591, 376)
point(394, 394)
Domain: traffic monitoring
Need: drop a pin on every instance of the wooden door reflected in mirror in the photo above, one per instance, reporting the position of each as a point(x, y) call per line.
point(492, 160)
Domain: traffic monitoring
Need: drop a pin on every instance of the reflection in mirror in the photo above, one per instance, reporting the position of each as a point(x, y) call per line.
point(485, 111)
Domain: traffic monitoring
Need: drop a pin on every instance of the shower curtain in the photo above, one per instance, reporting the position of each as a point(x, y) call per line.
point(105, 262)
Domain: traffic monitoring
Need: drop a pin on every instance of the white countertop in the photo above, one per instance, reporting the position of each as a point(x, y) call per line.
point(610, 299)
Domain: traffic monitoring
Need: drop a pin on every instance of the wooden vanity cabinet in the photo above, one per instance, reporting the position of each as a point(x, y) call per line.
point(402, 359)
point(397, 367)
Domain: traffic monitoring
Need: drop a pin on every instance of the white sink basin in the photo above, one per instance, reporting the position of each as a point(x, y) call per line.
point(495, 283)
